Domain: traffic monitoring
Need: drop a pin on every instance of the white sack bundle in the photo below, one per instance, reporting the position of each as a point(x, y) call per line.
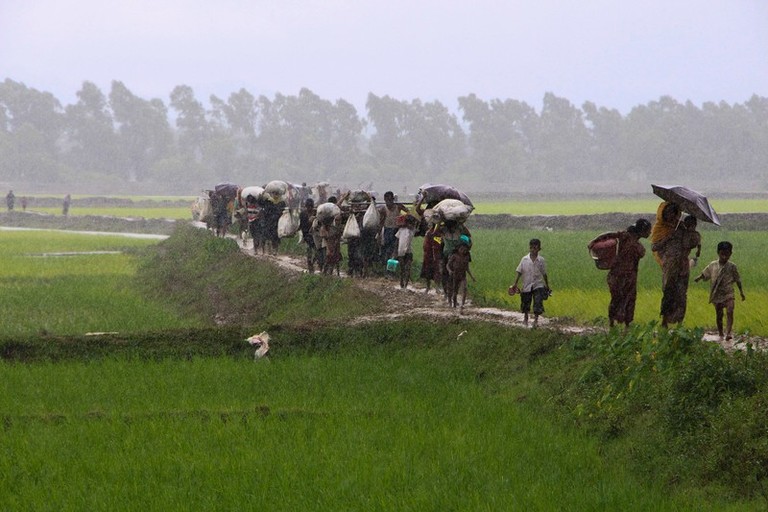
point(277, 191)
point(351, 228)
point(288, 223)
point(261, 343)
point(327, 211)
point(371, 217)
point(453, 209)
point(252, 190)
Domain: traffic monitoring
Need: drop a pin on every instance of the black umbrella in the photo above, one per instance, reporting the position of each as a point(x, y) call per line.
point(690, 201)
point(228, 190)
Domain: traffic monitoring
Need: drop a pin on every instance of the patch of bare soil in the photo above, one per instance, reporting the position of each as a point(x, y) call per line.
point(415, 302)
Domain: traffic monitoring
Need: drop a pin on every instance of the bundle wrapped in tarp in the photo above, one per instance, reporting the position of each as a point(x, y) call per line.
point(327, 211)
point(226, 189)
point(359, 196)
point(252, 190)
point(430, 195)
point(452, 209)
point(277, 191)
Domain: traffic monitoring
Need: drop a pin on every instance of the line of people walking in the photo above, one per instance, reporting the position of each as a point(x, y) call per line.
point(673, 238)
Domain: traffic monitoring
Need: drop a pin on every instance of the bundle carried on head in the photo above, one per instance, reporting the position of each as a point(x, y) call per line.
point(452, 209)
point(327, 211)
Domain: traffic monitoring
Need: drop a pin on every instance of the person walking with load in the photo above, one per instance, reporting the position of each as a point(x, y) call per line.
point(622, 273)
point(676, 270)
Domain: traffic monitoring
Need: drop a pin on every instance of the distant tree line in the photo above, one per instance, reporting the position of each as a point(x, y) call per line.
point(183, 145)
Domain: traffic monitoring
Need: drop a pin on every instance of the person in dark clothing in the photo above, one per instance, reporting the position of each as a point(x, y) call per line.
point(306, 216)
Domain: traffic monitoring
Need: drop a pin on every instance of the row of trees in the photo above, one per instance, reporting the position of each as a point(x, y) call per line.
point(119, 138)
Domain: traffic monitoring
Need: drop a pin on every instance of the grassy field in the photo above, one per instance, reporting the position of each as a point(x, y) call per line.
point(178, 213)
point(362, 426)
point(59, 283)
point(586, 207)
point(580, 290)
point(397, 416)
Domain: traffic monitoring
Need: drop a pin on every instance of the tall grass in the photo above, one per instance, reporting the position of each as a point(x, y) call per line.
point(372, 428)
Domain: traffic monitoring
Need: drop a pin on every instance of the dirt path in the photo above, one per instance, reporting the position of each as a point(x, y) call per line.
point(414, 302)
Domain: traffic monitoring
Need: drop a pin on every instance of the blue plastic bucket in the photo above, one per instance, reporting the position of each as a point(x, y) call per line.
point(392, 265)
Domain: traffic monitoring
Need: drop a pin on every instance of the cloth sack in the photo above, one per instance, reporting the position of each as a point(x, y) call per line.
point(371, 217)
point(351, 228)
point(287, 224)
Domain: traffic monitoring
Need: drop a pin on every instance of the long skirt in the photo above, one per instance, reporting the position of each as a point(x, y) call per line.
point(623, 288)
point(675, 298)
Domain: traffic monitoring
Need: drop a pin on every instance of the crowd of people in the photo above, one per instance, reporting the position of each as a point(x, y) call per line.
point(379, 237)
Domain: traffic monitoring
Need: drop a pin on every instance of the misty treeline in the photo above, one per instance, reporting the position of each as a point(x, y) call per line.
point(183, 145)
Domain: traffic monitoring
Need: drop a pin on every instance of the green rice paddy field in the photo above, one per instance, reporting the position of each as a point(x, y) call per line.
point(371, 427)
point(580, 291)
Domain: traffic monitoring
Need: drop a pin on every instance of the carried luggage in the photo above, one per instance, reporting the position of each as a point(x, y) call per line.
point(327, 211)
point(452, 209)
point(603, 250)
point(351, 229)
point(288, 223)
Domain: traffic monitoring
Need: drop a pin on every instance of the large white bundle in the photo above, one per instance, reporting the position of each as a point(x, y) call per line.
point(205, 209)
point(452, 209)
point(288, 223)
point(327, 211)
point(252, 190)
point(276, 191)
point(371, 217)
point(351, 229)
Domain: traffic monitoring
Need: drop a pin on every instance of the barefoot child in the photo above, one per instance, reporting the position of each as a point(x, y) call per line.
point(458, 268)
point(533, 270)
point(723, 274)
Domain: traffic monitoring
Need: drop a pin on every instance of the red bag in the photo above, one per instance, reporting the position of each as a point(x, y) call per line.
point(604, 252)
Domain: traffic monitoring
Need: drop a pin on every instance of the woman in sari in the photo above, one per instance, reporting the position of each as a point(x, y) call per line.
point(676, 270)
point(622, 277)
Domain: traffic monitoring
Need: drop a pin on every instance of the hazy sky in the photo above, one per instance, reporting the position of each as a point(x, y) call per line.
point(615, 53)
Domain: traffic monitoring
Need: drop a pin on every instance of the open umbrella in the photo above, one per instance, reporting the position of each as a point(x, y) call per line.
point(226, 189)
point(690, 201)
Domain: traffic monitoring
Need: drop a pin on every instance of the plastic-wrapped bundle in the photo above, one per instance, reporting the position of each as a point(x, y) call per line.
point(351, 229)
point(371, 217)
point(359, 196)
point(433, 194)
point(452, 209)
point(288, 224)
point(277, 191)
point(252, 190)
point(327, 211)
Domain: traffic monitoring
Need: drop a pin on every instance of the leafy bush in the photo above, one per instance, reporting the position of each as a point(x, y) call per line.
point(703, 410)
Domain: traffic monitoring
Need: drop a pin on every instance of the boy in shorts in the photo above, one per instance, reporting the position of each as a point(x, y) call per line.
point(723, 274)
point(533, 270)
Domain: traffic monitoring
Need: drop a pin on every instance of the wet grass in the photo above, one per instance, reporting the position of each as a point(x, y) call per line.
point(341, 419)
